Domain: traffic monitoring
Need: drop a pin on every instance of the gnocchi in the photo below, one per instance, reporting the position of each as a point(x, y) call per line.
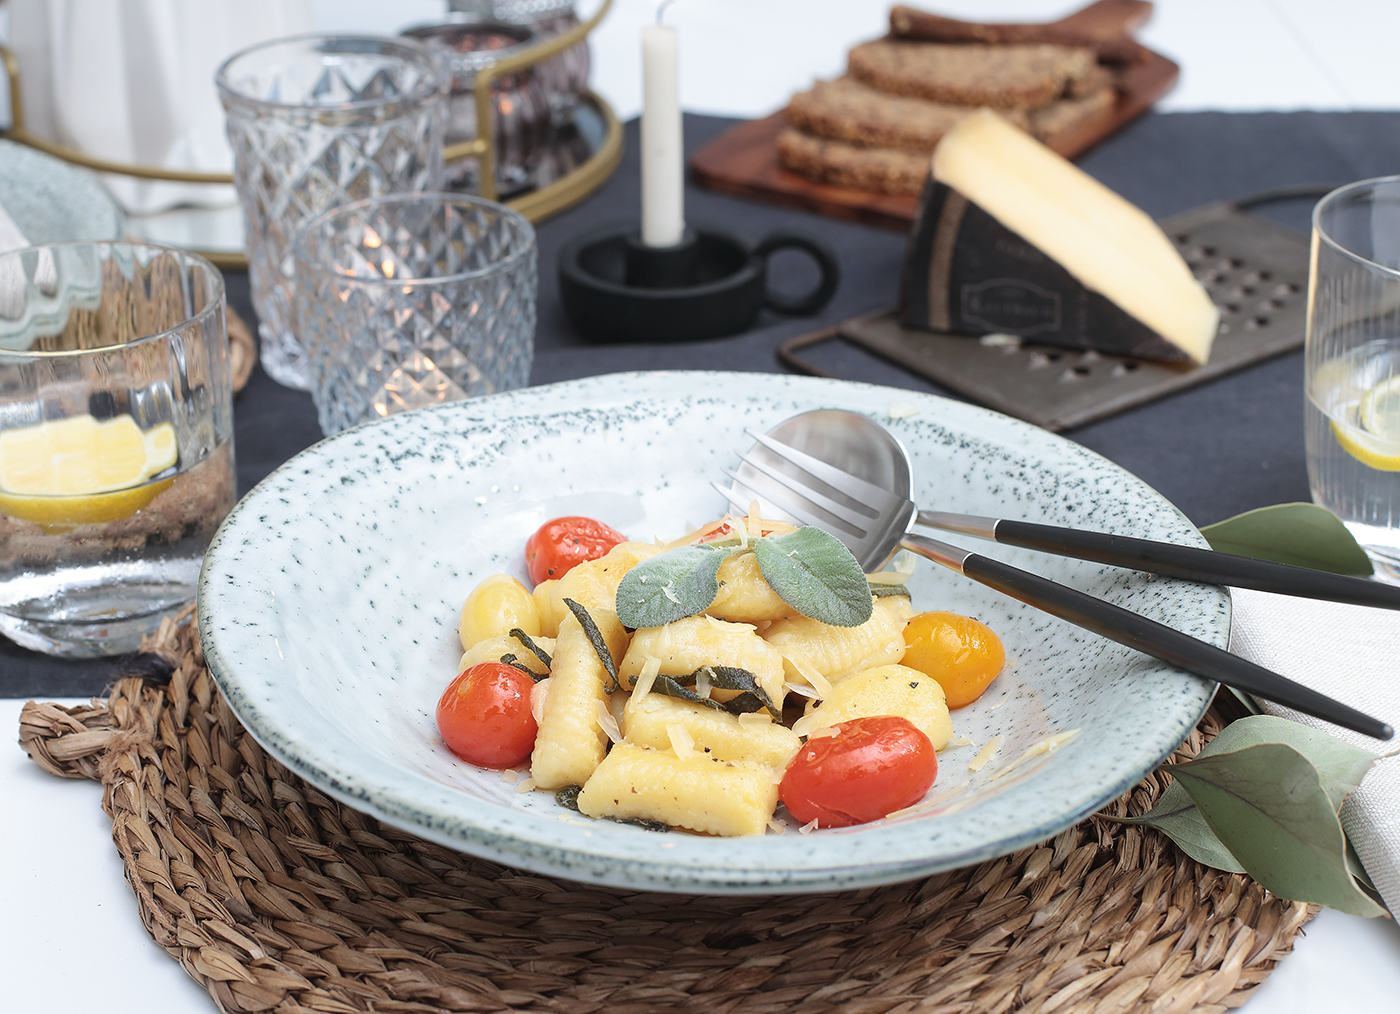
point(681, 720)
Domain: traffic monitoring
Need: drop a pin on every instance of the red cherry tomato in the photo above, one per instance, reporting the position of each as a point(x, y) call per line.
point(562, 544)
point(484, 716)
point(871, 767)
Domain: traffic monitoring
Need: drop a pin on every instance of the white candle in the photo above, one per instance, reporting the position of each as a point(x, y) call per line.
point(663, 165)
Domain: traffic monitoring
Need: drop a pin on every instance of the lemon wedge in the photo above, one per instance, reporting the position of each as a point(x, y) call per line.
point(81, 470)
point(1377, 441)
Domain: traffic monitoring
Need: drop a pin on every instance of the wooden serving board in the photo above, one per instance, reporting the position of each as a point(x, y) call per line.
point(744, 160)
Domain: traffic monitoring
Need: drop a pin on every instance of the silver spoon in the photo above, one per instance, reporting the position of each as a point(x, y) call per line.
point(779, 471)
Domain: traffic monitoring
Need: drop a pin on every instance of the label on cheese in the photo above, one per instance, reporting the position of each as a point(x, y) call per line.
point(1012, 238)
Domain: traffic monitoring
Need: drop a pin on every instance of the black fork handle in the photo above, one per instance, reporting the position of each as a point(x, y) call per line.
point(1194, 564)
point(1148, 636)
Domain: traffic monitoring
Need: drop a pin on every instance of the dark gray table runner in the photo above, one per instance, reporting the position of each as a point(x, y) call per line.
point(1214, 451)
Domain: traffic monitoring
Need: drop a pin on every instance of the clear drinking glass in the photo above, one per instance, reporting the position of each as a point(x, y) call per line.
point(317, 121)
point(116, 440)
point(414, 300)
point(1352, 372)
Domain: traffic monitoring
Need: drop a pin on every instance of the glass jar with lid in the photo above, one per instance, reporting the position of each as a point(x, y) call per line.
point(564, 77)
point(520, 105)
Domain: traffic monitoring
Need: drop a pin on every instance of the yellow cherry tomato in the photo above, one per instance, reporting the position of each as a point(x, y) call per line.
point(496, 606)
point(964, 655)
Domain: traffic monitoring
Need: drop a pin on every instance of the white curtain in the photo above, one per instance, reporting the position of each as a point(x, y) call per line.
point(133, 81)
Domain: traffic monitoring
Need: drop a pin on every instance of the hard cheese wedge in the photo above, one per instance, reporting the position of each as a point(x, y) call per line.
point(1014, 239)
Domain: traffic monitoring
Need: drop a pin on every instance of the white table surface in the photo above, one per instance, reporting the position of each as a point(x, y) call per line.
point(70, 938)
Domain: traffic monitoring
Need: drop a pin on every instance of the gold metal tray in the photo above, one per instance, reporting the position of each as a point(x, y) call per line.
point(595, 120)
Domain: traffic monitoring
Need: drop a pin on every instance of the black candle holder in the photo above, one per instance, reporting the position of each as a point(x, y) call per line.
point(616, 288)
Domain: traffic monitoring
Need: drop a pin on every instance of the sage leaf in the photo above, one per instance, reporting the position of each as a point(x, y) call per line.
point(816, 575)
point(1301, 534)
point(595, 638)
point(1266, 804)
point(679, 583)
point(1177, 817)
point(1340, 766)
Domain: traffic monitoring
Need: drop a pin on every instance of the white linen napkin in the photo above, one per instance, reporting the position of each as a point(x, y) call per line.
point(1351, 653)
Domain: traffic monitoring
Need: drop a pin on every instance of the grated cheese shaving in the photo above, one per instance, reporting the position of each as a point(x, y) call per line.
point(510, 776)
point(808, 827)
point(814, 679)
point(650, 669)
point(606, 722)
point(776, 826)
point(825, 732)
point(753, 524)
point(960, 741)
point(988, 752)
point(1044, 747)
point(522, 787)
point(903, 410)
point(538, 694)
point(702, 684)
point(1000, 704)
point(666, 590)
point(924, 805)
point(682, 742)
point(801, 689)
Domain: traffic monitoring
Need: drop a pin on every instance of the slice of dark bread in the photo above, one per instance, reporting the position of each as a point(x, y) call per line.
point(971, 74)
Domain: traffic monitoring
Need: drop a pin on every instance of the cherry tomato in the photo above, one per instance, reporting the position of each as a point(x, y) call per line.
point(484, 716)
point(964, 655)
point(871, 767)
point(562, 544)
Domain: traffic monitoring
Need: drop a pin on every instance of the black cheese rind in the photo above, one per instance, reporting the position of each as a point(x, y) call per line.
point(966, 273)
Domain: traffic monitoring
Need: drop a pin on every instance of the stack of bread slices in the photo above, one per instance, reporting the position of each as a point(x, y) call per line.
point(875, 127)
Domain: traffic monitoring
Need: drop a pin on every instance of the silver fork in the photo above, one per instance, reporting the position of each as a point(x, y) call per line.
point(874, 528)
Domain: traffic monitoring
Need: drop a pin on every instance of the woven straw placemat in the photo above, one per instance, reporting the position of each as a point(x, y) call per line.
point(275, 897)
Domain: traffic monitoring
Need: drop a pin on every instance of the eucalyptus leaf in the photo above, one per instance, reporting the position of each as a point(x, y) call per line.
point(816, 575)
point(1177, 817)
point(1267, 805)
point(1340, 766)
point(678, 583)
point(1301, 534)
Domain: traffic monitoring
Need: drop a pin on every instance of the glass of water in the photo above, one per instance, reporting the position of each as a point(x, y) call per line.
point(1352, 372)
point(414, 300)
point(116, 440)
point(317, 121)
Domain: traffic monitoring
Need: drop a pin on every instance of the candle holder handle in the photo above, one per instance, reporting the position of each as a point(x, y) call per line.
point(813, 301)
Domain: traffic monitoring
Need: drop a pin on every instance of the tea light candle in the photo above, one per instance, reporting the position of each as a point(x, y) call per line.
point(663, 170)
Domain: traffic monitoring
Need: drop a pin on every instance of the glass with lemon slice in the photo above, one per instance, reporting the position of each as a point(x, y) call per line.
point(1353, 365)
point(116, 440)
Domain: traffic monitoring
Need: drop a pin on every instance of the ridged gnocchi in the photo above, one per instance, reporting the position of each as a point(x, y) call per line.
point(682, 722)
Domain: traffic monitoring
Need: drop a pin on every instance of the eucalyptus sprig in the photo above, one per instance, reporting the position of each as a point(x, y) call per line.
point(1262, 798)
point(809, 569)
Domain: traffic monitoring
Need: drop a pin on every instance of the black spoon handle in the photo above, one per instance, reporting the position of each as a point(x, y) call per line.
point(1148, 636)
point(1186, 562)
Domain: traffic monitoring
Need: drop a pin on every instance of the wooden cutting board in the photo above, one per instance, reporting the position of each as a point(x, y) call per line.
point(744, 161)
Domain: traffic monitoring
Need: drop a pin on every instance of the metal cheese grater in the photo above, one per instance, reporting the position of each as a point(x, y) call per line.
point(1255, 270)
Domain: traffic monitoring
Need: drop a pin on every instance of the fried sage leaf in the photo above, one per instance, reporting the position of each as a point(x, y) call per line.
point(816, 575)
point(595, 638)
point(529, 643)
point(679, 583)
point(1267, 805)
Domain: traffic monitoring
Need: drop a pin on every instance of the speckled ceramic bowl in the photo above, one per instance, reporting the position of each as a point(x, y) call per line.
point(329, 601)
